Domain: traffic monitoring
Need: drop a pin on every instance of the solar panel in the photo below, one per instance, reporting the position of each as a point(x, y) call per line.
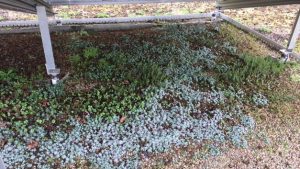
point(103, 2)
point(235, 4)
point(28, 6)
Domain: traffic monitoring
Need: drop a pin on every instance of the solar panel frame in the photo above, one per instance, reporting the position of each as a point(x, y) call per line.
point(27, 6)
point(236, 4)
point(108, 2)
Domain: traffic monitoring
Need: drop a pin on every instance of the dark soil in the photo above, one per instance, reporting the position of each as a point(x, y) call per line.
point(24, 52)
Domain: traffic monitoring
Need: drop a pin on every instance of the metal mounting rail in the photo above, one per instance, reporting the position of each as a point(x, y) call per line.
point(260, 36)
point(257, 34)
point(105, 20)
point(110, 2)
point(235, 4)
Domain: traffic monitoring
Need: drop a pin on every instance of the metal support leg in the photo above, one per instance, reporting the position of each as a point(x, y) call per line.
point(45, 33)
point(2, 166)
point(295, 34)
point(293, 38)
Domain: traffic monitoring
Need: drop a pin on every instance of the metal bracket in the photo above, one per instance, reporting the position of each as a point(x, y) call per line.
point(53, 72)
point(216, 15)
point(47, 45)
point(286, 55)
point(215, 18)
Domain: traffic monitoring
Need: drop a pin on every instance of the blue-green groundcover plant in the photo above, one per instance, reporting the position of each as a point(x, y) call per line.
point(150, 130)
point(157, 126)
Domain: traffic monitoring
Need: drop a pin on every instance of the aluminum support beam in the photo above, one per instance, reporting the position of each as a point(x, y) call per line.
point(235, 4)
point(33, 23)
point(111, 2)
point(46, 40)
point(262, 37)
point(269, 41)
point(295, 34)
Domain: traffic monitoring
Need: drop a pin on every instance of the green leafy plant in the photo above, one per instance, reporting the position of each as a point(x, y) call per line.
point(253, 69)
point(90, 53)
point(68, 14)
point(10, 81)
point(147, 74)
point(8, 75)
point(75, 60)
point(77, 45)
point(102, 15)
point(123, 67)
point(83, 33)
point(85, 59)
point(265, 30)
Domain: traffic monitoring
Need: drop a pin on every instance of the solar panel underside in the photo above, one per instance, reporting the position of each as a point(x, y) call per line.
point(224, 4)
point(103, 2)
point(28, 6)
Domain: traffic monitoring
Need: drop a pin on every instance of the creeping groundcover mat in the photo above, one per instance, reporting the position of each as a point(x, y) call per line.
point(130, 95)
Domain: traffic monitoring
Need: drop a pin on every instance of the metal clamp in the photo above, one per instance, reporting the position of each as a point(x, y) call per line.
point(286, 55)
point(216, 15)
point(54, 73)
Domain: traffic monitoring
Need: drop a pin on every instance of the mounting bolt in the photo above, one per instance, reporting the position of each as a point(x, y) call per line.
point(58, 23)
